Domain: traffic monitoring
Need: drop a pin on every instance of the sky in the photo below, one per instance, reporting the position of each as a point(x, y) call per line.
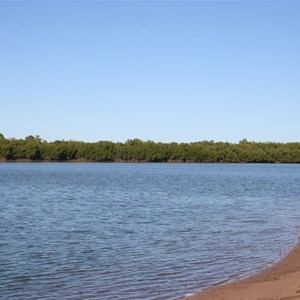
point(165, 71)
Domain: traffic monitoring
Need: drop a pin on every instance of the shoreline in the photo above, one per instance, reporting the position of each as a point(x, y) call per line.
point(281, 281)
point(137, 161)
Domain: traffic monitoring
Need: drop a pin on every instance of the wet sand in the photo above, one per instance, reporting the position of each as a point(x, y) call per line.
point(279, 282)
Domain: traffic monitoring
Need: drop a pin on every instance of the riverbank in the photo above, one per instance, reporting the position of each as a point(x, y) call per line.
point(279, 282)
point(37, 149)
point(83, 160)
point(169, 161)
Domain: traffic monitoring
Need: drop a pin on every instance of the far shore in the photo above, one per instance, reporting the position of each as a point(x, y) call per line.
point(279, 282)
point(170, 161)
point(82, 160)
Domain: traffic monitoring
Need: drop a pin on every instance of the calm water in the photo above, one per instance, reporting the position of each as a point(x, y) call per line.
point(140, 231)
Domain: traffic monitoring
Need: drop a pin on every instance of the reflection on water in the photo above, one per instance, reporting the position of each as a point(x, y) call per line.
point(140, 231)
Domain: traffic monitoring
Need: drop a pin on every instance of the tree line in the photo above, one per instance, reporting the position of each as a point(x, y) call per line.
point(36, 149)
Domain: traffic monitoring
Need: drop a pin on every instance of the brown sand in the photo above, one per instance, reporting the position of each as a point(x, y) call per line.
point(279, 282)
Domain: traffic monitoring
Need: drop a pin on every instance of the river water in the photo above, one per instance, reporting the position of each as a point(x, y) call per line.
point(140, 231)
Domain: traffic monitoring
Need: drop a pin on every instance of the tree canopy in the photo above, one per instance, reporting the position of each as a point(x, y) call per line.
point(36, 149)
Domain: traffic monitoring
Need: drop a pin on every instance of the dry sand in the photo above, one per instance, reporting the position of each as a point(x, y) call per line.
point(279, 282)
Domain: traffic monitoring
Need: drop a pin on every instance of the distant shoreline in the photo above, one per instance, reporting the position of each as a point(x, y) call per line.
point(36, 149)
point(25, 160)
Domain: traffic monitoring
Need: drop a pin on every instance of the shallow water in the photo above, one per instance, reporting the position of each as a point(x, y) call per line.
point(140, 231)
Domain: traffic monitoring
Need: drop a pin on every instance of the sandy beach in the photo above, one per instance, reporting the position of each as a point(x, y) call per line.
point(279, 282)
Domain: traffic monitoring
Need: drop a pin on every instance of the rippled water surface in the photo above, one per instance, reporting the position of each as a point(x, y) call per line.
point(140, 231)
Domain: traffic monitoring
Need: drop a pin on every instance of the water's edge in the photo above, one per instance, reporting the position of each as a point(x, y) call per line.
point(286, 266)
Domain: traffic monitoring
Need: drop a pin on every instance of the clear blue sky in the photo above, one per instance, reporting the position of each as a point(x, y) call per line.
point(160, 70)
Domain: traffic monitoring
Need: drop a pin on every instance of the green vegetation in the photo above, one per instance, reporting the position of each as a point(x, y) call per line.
point(36, 149)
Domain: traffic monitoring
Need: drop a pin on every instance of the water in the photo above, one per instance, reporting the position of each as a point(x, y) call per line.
point(140, 231)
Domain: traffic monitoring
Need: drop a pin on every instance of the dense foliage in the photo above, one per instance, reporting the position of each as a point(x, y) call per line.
point(34, 148)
